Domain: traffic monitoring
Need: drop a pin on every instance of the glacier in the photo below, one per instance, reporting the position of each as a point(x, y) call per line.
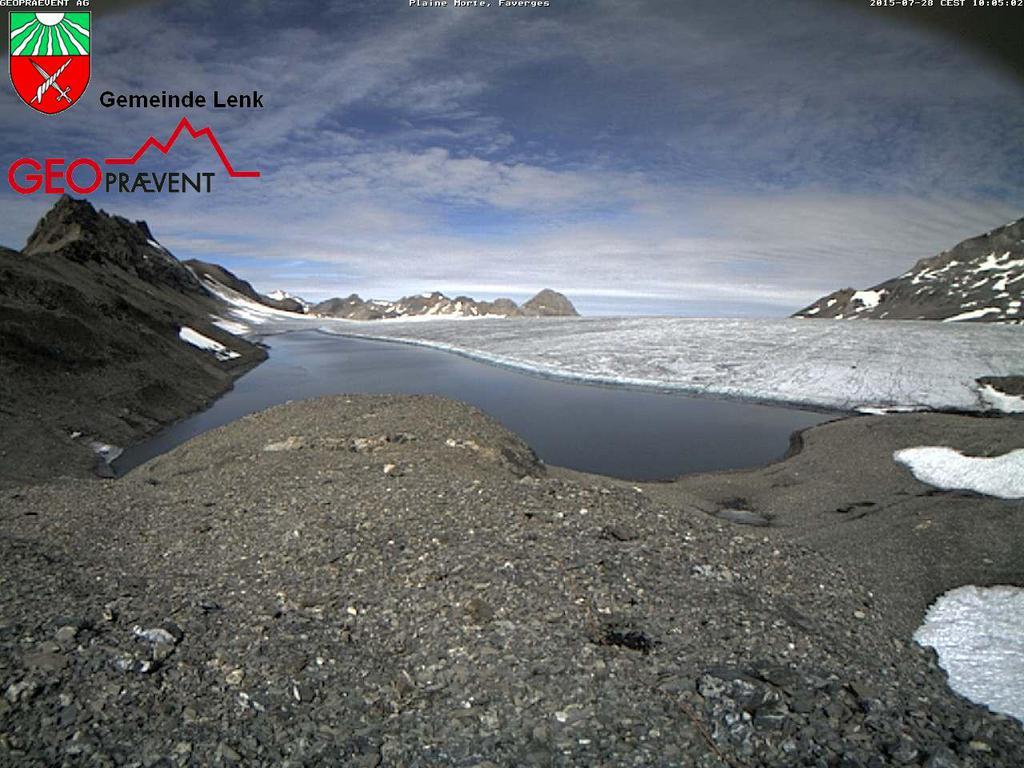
point(883, 365)
point(878, 366)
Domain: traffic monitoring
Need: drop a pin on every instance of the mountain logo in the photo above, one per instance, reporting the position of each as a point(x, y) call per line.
point(49, 58)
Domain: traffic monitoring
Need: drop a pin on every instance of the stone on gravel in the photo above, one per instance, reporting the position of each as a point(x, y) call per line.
point(743, 517)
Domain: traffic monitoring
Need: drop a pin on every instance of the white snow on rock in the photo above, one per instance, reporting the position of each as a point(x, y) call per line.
point(869, 299)
point(942, 467)
point(280, 295)
point(999, 262)
point(1000, 401)
point(879, 410)
point(196, 339)
point(978, 634)
point(246, 309)
point(238, 329)
point(973, 314)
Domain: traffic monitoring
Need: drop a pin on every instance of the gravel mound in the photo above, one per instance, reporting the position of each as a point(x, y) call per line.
point(398, 581)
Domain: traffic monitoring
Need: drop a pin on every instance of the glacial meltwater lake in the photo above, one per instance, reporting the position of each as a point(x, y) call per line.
point(626, 433)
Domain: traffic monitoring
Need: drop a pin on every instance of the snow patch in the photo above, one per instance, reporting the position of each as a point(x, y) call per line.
point(978, 633)
point(882, 410)
point(973, 314)
point(156, 245)
point(196, 339)
point(1001, 401)
point(1002, 262)
point(869, 299)
point(238, 329)
point(943, 467)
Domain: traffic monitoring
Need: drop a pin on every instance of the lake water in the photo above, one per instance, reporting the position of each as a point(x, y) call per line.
point(625, 433)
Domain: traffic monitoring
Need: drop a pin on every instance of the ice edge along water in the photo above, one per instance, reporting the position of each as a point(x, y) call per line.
point(878, 367)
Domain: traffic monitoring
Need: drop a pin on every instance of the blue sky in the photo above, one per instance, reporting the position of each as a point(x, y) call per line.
point(725, 157)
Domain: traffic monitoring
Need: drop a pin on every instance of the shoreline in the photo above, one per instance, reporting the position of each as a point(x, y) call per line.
point(554, 449)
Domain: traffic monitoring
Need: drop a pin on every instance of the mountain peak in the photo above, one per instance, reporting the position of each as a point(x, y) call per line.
point(977, 280)
point(71, 220)
point(75, 230)
point(549, 303)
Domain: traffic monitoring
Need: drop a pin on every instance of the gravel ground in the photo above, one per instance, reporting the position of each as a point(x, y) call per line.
point(844, 495)
point(397, 581)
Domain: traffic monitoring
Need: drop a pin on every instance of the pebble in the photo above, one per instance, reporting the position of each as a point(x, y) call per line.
point(66, 635)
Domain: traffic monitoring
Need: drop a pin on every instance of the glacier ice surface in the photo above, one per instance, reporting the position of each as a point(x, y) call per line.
point(881, 365)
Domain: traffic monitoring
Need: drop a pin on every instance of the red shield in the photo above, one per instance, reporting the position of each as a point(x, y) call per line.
point(64, 89)
point(49, 58)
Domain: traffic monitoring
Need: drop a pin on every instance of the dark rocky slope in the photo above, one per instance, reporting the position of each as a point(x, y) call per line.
point(90, 312)
point(979, 280)
point(218, 274)
point(547, 303)
point(391, 581)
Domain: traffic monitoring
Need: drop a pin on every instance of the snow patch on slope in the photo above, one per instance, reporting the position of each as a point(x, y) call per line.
point(978, 634)
point(943, 467)
point(869, 299)
point(1001, 401)
point(237, 329)
point(973, 314)
point(196, 339)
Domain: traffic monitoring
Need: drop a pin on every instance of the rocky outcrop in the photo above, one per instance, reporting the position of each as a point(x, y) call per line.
point(547, 303)
point(979, 280)
point(93, 346)
point(77, 233)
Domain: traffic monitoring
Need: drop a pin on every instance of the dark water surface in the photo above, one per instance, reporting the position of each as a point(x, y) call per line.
point(620, 432)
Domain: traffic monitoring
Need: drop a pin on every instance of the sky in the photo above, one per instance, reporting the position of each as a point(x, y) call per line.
point(712, 157)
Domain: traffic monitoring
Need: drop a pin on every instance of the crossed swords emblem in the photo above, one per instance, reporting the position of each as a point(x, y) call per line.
point(50, 81)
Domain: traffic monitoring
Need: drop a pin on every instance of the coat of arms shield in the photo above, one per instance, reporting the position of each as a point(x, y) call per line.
point(49, 58)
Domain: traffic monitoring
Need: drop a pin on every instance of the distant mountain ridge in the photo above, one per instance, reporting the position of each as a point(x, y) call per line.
point(978, 280)
point(547, 303)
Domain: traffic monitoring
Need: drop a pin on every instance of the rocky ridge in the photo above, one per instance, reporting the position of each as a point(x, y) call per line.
point(978, 280)
point(206, 271)
point(92, 313)
point(547, 303)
